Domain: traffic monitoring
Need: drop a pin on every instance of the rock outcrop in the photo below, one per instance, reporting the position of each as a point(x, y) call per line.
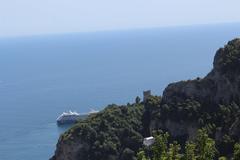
point(220, 87)
point(69, 151)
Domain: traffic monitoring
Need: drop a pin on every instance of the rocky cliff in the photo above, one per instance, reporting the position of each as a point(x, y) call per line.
point(211, 102)
point(221, 85)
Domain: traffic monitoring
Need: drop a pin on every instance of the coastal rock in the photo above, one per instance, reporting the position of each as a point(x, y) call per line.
point(69, 150)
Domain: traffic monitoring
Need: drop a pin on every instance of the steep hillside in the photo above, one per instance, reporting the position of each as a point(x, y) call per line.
point(114, 133)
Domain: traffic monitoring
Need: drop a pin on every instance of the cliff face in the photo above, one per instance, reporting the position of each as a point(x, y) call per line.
point(220, 86)
point(186, 104)
point(67, 150)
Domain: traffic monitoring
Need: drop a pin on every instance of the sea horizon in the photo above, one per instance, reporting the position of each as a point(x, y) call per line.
point(43, 76)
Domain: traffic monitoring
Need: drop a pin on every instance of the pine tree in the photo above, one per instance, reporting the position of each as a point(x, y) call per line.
point(141, 156)
point(236, 154)
point(173, 152)
point(160, 147)
point(137, 100)
point(205, 146)
point(190, 150)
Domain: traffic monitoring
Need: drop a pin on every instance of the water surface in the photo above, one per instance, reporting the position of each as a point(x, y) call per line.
point(40, 77)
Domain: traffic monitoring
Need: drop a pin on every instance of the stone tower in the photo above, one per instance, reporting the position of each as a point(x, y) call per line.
point(146, 94)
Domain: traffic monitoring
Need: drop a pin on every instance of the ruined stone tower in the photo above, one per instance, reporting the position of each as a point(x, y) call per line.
point(146, 94)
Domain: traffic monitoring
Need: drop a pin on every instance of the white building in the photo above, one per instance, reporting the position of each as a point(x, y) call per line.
point(148, 141)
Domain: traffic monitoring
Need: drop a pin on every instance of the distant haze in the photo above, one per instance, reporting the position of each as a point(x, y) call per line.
point(28, 17)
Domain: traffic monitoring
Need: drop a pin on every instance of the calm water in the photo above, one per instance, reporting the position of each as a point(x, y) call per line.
point(40, 77)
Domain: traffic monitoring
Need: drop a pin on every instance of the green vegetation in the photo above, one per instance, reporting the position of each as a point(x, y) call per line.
point(220, 121)
point(236, 154)
point(113, 133)
point(203, 148)
point(117, 132)
point(150, 106)
point(228, 57)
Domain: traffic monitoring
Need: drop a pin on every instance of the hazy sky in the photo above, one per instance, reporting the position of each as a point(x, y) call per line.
point(31, 17)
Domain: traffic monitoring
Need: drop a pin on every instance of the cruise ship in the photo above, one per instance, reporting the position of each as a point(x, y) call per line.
point(72, 117)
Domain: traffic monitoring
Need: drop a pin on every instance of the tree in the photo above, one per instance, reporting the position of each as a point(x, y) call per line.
point(236, 153)
point(128, 154)
point(152, 103)
point(205, 146)
point(190, 149)
point(141, 156)
point(173, 152)
point(160, 147)
point(138, 100)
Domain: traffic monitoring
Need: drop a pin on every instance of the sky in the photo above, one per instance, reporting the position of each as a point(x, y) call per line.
point(38, 17)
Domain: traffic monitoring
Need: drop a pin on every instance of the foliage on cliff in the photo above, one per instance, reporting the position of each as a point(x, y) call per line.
point(114, 133)
point(227, 59)
point(222, 122)
point(202, 148)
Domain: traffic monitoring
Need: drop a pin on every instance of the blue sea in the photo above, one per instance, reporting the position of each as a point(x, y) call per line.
point(42, 76)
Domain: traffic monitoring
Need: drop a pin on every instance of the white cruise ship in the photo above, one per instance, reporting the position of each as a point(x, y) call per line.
point(72, 117)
